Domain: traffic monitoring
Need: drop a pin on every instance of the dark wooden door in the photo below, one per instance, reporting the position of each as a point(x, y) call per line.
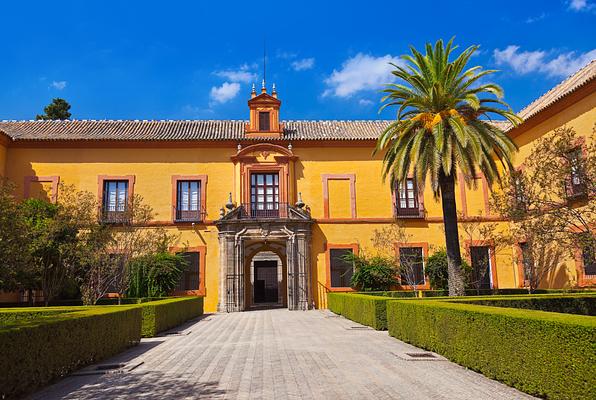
point(265, 282)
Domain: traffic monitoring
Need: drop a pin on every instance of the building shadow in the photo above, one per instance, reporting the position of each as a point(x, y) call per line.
point(147, 385)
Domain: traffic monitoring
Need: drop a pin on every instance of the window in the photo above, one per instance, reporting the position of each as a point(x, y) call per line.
point(520, 195)
point(411, 263)
point(264, 194)
point(190, 279)
point(115, 200)
point(188, 201)
point(341, 270)
point(589, 259)
point(577, 184)
point(406, 196)
point(264, 121)
point(481, 268)
point(527, 261)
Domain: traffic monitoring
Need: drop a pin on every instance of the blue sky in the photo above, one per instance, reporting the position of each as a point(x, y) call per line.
point(198, 59)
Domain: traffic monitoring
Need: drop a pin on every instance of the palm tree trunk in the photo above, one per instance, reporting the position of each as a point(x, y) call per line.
point(456, 281)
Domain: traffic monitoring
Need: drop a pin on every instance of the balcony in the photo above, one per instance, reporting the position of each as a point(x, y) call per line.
point(188, 215)
point(110, 216)
point(252, 211)
point(407, 213)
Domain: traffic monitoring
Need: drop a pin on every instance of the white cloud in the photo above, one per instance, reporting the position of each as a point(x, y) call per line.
point(524, 62)
point(531, 20)
point(581, 5)
point(303, 64)
point(361, 72)
point(227, 91)
point(242, 74)
point(58, 85)
point(365, 102)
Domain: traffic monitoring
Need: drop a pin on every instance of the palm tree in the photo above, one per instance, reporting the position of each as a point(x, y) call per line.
point(439, 130)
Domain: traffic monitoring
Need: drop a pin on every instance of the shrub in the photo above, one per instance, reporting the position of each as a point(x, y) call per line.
point(544, 354)
point(36, 351)
point(364, 309)
point(581, 304)
point(155, 275)
point(436, 270)
point(372, 273)
point(162, 315)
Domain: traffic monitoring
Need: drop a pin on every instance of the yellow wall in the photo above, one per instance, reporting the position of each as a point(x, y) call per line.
point(154, 167)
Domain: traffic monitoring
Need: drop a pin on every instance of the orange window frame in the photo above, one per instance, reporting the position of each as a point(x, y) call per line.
point(54, 180)
point(333, 246)
point(424, 246)
point(203, 187)
point(202, 250)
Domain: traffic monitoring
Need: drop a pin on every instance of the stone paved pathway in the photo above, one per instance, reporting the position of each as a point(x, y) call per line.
point(278, 354)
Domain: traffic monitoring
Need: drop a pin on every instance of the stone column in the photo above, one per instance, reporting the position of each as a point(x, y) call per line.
point(303, 269)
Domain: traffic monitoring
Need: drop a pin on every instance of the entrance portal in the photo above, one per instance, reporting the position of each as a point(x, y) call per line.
point(266, 285)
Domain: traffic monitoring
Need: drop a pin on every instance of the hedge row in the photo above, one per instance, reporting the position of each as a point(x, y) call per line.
point(481, 292)
point(34, 352)
point(581, 304)
point(364, 309)
point(162, 315)
point(545, 354)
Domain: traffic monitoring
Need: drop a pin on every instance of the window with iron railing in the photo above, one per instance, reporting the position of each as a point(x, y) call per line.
point(577, 179)
point(188, 201)
point(406, 198)
point(115, 201)
point(264, 194)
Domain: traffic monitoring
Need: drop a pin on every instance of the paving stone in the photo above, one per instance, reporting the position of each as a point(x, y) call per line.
point(279, 354)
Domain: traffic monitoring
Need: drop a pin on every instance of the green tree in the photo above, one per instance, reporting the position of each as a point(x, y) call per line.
point(14, 259)
point(155, 275)
point(439, 129)
point(372, 273)
point(57, 109)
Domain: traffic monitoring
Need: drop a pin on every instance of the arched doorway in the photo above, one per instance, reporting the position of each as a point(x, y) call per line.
point(265, 275)
point(267, 281)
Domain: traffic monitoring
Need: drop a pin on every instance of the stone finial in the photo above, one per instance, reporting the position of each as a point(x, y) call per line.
point(239, 147)
point(290, 146)
point(253, 92)
point(274, 91)
point(230, 203)
point(263, 88)
point(300, 203)
point(222, 212)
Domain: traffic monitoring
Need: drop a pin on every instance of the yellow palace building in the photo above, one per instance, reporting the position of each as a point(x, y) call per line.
point(266, 206)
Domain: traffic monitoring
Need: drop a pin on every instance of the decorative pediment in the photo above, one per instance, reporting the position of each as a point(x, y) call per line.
point(264, 153)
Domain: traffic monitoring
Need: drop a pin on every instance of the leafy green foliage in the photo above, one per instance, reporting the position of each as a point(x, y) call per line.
point(14, 262)
point(545, 354)
point(372, 273)
point(364, 309)
point(155, 275)
point(39, 350)
point(580, 304)
point(162, 315)
point(436, 270)
point(57, 109)
point(442, 126)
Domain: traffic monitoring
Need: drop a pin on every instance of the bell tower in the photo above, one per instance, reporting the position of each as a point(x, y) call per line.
point(264, 114)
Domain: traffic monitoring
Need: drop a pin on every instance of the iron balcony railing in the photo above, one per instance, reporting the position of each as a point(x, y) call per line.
point(407, 212)
point(188, 215)
point(260, 210)
point(109, 215)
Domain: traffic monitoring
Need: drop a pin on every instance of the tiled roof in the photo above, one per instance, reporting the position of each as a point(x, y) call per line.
point(189, 130)
point(234, 129)
point(185, 130)
point(568, 86)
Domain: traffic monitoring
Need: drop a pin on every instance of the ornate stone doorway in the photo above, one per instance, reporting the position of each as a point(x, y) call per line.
point(242, 237)
point(267, 281)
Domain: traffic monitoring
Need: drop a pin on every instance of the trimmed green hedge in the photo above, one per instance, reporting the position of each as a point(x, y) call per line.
point(364, 309)
point(162, 315)
point(35, 351)
point(542, 353)
point(581, 304)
